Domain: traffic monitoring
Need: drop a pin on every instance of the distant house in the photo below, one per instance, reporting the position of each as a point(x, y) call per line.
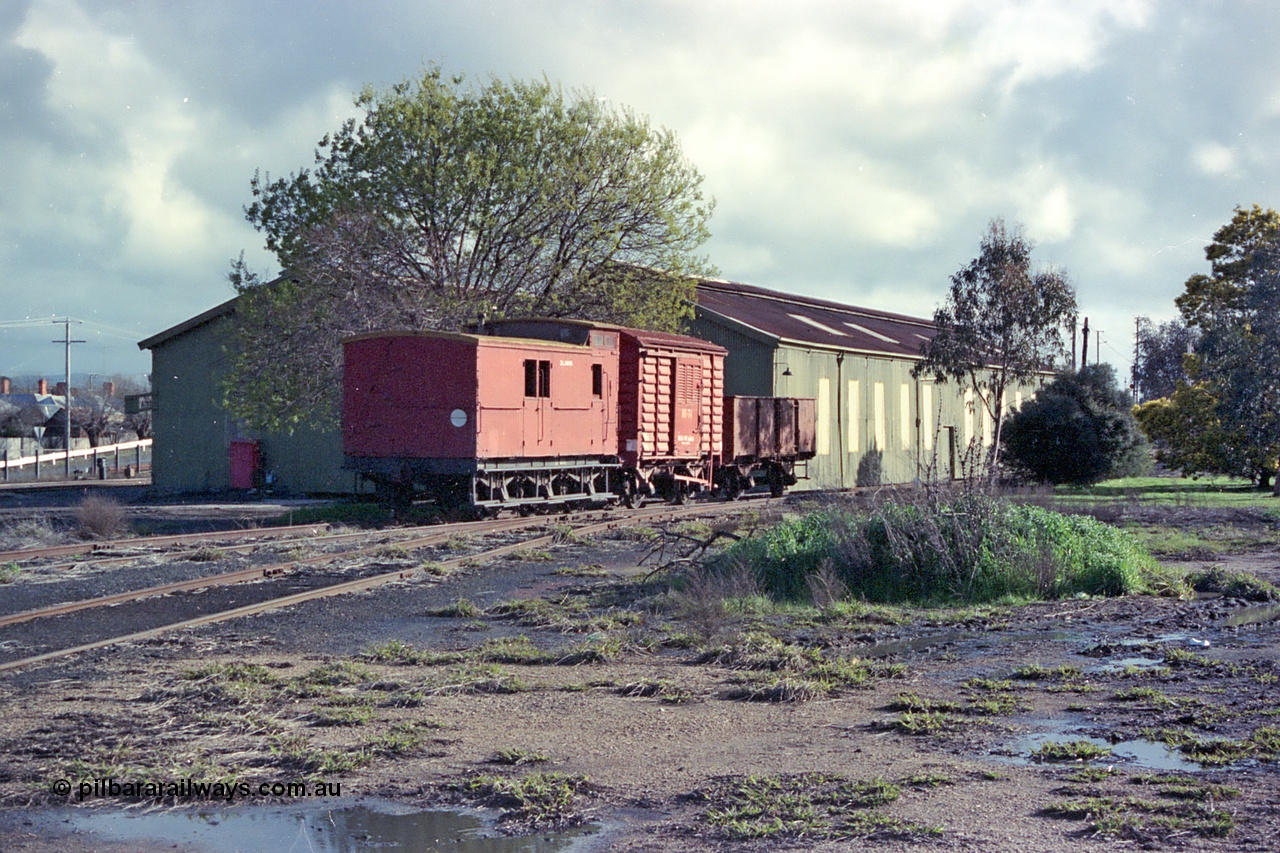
point(199, 446)
point(21, 412)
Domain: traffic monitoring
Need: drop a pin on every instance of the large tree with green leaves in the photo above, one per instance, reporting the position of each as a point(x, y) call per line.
point(1001, 323)
point(1188, 434)
point(1236, 308)
point(445, 203)
point(1162, 356)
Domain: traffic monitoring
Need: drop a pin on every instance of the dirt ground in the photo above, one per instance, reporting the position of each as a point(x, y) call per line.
point(564, 687)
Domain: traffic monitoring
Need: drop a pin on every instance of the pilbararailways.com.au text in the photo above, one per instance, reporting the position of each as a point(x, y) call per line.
point(190, 789)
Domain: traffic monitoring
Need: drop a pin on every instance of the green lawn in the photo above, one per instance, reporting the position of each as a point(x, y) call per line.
point(1172, 491)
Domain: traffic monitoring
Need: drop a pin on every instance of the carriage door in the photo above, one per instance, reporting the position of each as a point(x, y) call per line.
point(686, 421)
point(537, 402)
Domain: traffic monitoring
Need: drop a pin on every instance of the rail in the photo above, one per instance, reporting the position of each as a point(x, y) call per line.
point(94, 454)
point(591, 525)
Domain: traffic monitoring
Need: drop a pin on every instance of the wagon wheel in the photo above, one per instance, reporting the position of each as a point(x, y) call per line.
point(733, 486)
point(627, 493)
point(777, 481)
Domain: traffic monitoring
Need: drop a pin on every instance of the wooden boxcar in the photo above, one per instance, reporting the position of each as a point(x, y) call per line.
point(670, 392)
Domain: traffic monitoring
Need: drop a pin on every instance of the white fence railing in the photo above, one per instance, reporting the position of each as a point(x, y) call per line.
point(108, 453)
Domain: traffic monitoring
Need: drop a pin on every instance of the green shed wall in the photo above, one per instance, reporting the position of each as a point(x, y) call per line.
point(193, 431)
point(918, 430)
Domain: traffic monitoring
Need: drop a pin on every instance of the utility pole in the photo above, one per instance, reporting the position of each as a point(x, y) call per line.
point(1137, 339)
point(66, 400)
point(1084, 359)
point(1097, 350)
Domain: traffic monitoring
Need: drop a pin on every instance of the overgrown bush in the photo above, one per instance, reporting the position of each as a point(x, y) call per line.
point(100, 518)
point(1077, 430)
point(971, 549)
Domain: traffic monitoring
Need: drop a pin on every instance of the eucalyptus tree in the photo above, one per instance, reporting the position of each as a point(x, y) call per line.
point(1001, 323)
point(445, 203)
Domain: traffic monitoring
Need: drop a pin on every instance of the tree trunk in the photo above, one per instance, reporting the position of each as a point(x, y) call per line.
point(1275, 488)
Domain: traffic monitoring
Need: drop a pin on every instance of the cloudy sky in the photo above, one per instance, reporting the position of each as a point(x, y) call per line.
point(856, 150)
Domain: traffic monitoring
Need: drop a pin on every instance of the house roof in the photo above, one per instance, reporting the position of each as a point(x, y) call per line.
point(185, 326)
point(776, 317)
point(47, 405)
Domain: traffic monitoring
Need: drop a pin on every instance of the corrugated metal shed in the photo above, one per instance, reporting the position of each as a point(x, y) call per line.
point(875, 422)
point(194, 432)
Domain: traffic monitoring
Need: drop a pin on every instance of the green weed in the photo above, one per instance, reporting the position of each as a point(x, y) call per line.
point(511, 756)
point(540, 799)
point(971, 549)
point(460, 608)
point(1233, 584)
point(1076, 750)
point(806, 806)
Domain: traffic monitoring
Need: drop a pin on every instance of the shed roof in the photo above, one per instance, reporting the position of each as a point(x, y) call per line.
point(786, 318)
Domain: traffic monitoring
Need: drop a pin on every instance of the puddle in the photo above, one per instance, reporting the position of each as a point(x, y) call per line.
point(364, 826)
point(1254, 615)
point(1121, 664)
point(1130, 753)
point(892, 648)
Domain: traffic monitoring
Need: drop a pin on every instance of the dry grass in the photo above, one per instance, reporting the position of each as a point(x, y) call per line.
point(101, 518)
point(30, 533)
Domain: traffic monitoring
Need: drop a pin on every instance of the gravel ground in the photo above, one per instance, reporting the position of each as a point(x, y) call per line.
point(655, 726)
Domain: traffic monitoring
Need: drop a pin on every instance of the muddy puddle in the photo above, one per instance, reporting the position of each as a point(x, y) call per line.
point(1256, 615)
point(345, 828)
point(955, 639)
point(1146, 754)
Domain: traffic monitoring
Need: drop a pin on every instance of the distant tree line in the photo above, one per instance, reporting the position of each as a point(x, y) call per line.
point(1221, 413)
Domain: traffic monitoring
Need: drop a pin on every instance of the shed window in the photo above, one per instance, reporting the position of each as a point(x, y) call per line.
point(597, 380)
point(537, 378)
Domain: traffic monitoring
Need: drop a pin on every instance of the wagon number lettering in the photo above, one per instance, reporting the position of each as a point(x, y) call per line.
point(566, 362)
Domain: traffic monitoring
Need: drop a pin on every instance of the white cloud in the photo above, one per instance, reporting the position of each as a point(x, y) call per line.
point(1213, 158)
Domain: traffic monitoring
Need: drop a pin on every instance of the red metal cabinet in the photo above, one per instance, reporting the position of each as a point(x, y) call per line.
point(245, 461)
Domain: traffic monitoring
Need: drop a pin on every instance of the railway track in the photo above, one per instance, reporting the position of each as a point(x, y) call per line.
point(22, 555)
point(585, 524)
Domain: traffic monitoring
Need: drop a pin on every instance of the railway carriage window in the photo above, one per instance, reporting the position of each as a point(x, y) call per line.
point(604, 340)
point(537, 378)
point(530, 378)
point(597, 380)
